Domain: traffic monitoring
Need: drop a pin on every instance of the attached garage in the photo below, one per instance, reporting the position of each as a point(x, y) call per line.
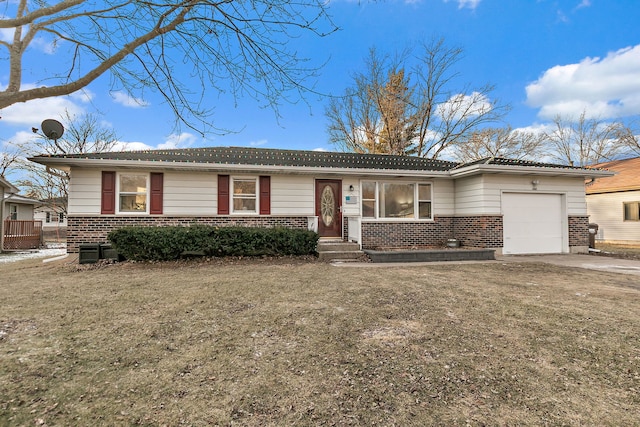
point(534, 223)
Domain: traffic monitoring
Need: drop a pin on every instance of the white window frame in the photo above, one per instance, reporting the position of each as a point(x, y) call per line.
point(416, 201)
point(255, 197)
point(118, 194)
point(13, 212)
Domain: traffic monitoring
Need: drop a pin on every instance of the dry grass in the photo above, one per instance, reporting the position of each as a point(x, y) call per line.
point(628, 251)
point(304, 343)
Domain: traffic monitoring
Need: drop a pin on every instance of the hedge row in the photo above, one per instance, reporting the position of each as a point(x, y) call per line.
point(170, 243)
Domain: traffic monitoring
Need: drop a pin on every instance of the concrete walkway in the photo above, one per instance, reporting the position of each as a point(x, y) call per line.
point(591, 262)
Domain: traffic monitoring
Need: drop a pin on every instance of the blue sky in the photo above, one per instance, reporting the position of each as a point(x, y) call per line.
point(545, 57)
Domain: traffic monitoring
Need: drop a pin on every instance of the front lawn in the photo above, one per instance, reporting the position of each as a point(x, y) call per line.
point(297, 342)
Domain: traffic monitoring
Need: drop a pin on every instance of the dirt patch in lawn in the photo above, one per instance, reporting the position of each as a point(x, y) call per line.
point(254, 343)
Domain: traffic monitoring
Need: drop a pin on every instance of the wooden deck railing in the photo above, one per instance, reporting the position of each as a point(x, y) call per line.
point(20, 234)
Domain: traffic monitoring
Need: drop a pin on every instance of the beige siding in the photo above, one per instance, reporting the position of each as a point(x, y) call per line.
point(443, 197)
point(292, 195)
point(84, 192)
point(469, 196)
point(482, 194)
point(351, 209)
point(606, 210)
point(190, 194)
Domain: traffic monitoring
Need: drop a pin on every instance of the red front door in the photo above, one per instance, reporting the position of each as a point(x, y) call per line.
point(328, 207)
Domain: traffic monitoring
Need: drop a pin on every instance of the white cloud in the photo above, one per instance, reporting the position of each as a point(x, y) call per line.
point(603, 87)
point(20, 138)
point(464, 105)
point(182, 140)
point(32, 113)
point(583, 3)
point(471, 4)
point(125, 99)
point(258, 143)
point(131, 146)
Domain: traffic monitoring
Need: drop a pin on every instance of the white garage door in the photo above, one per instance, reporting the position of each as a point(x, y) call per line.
point(533, 223)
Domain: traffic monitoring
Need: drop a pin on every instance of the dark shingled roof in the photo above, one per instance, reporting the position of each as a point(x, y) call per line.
point(294, 158)
point(269, 157)
point(512, 162)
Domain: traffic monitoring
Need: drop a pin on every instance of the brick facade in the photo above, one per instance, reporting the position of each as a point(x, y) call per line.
point(473, 231)
point(406, 234)
point(94, 229)
point(578, 231)
point(479, 231)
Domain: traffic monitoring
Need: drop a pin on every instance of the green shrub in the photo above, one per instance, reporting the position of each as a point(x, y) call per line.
point(170, 243)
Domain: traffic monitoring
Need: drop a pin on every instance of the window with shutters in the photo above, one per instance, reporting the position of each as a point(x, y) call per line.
point(244, 195)
point(135, 193)
point(132, 193)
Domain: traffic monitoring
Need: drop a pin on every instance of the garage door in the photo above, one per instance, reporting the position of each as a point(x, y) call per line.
point(533, 223)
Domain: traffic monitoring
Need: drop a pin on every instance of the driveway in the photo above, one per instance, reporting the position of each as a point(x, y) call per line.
point(591, 262)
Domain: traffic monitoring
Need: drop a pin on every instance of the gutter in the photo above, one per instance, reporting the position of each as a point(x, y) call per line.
point(533, 170)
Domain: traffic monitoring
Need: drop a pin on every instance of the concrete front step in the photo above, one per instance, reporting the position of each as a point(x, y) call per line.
point(330, 251)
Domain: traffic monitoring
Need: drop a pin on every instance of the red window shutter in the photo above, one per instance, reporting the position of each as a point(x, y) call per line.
point(156, 193)
point(108, 202)
point(223, 194)
point(265, 195)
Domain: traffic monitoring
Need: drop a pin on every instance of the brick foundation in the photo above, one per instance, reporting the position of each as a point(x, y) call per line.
point(94, 229)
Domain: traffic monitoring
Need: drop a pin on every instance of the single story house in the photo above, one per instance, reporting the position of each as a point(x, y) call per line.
point(17, 227)
point(514, 207)
point(613, 202)
point(53, 214)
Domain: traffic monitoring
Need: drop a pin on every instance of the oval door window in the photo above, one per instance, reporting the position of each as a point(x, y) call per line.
point(327, 205)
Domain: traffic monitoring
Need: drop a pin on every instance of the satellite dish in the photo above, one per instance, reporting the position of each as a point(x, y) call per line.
point(52, 129)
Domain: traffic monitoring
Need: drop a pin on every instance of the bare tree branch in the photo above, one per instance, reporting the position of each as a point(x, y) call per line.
point(500, 142)
point(242, 43)
point(586, 140)
point(421, 108)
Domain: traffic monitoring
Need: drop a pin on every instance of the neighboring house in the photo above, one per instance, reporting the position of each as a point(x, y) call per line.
point(613, 203)
point(17, 227)
point(376, 200)
point(53, 214)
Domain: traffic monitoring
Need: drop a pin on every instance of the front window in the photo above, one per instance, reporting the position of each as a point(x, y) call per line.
point(424, 201)
point(133, 193)
point(48, 219)
point(631, 211)
point(61, 217)
point(244, 195)
point(13, 212)
point(396, 200)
